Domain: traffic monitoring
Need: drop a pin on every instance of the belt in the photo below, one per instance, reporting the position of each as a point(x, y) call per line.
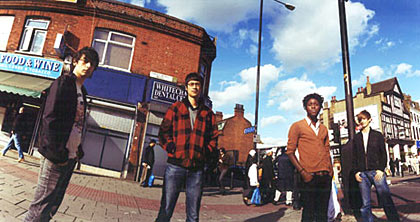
point(320, 173)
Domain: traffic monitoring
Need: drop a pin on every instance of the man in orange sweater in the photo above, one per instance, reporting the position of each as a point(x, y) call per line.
point(310, 138)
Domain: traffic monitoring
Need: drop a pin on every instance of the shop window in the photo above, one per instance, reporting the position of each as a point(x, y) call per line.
point(34, 35)
point(6, 23)
point(115, 49)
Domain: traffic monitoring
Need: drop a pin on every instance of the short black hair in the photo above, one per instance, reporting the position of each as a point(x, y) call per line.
point(222, 149)
point(90, 53)
point(193, 76)
point(152, 141)
point(316, 96)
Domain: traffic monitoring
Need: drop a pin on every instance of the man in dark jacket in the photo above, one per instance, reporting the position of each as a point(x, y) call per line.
point(224, 163)
point(188, 133)
point(19, 127)
point(369, 162)
point(148, 162)
point(61, 135)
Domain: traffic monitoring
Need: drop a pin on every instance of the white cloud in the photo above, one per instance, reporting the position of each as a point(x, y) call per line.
point(238, 91)
point(403, 68)
point(265, 121)
point(271, 141)
point(136, 2)
point(377, 73)
point(216, 15)
point(309, 36)
point(290, 92)
point(250, 116)
point(384, 44)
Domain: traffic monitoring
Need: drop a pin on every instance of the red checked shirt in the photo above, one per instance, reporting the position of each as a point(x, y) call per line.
point(188, 146)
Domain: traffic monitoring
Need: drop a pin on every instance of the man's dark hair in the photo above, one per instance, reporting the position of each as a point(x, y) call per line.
point(152, 141)
point(193, 76)
point(365, 114)
point(316, 96)
point(223, 150)
point(90, 53)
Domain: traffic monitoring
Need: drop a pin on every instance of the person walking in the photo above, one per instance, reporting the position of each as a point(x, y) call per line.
point(310, 138)
point(225, 161)
point(369, 162)
point(392, 166)
point(61, 135)
point(148, 162)
point(188, 133)
point(18, 130)
point(284, 178)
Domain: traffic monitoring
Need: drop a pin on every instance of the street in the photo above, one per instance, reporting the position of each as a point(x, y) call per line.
point(97, 198)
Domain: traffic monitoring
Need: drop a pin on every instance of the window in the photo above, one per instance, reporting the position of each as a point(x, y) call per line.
point(34, 35)
point(115, 49)
point(6, 23)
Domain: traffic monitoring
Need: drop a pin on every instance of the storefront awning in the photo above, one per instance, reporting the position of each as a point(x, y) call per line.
point(24, 85)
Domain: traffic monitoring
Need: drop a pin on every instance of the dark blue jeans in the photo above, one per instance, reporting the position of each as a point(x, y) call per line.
point(52, 184)
point(384, 195)
point(315, 198)
point(15, 138)
point(174, 180)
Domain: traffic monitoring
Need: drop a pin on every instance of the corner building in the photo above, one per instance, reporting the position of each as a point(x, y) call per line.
point(144, 58)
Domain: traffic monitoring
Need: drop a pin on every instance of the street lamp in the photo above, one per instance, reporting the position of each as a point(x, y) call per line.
point(257, 93)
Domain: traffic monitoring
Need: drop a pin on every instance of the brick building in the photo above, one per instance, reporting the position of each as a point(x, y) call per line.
point(144, 58)
point(384, 101)
point(232, 135)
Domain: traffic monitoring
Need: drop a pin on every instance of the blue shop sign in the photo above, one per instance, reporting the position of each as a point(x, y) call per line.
point(116, 85)
point(165, 92)
point(30, 65)
point(418, 144)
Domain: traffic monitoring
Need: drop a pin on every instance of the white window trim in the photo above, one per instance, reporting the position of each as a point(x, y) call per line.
point(25, 50)
point(108, 40)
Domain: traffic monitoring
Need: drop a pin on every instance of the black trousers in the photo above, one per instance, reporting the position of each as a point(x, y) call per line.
point(315, 197)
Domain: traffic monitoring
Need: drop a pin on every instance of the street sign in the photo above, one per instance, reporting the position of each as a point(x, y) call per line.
point(249, 130)
point(418, 144)
point(257, 139)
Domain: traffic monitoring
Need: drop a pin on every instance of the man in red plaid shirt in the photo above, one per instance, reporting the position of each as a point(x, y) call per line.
point(188, 133)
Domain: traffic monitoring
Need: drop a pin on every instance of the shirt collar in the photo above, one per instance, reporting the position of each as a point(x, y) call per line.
point(309, 122)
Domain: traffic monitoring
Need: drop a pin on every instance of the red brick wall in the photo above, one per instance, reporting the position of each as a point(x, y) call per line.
point(233, 137)
point(172, 50)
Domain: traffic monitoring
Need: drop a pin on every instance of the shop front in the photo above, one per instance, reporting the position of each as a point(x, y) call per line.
point(111, 120)
point(22, 80)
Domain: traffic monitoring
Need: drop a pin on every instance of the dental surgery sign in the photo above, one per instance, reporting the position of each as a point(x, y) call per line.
point(30, 65)
point(166, 92)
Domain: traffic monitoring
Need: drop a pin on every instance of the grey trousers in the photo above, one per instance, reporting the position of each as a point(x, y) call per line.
point(52, 184)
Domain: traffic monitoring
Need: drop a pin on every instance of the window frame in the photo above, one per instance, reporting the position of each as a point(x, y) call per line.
point(106, 43)
point(6, 40)
point(33, 31)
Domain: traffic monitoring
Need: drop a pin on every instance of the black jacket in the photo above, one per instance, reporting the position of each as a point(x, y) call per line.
point(20, 123)
point(375, 158)
point(58, 118)
point(149, 156)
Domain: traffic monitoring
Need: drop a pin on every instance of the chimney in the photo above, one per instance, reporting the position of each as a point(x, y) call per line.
point(368, 86)
point(333, 99)
point(239, 110)
point(219, 116)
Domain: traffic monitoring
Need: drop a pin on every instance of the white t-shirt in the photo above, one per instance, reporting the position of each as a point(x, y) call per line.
point(75, 137)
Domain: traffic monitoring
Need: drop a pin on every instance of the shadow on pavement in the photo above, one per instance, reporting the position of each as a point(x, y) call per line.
point(272, 217)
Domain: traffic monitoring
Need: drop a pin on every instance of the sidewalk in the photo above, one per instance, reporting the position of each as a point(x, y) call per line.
point(97, 198)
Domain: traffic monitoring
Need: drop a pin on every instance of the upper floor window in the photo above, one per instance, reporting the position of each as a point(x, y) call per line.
point(115, 49)
point(34, 35)
point(6, 27)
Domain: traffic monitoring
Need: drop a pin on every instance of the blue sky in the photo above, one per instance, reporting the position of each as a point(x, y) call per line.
point(301, 52)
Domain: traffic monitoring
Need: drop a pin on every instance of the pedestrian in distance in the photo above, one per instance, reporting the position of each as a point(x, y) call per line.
point(61, 135)
point(148, 162)
point(225, 161)
point(18, 131)
point(284, 181)
point(310, 139)
point(188, 133)
point(392, 167)
point(369, 162)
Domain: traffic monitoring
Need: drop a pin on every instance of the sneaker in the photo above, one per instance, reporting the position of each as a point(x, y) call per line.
point(20, 160)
